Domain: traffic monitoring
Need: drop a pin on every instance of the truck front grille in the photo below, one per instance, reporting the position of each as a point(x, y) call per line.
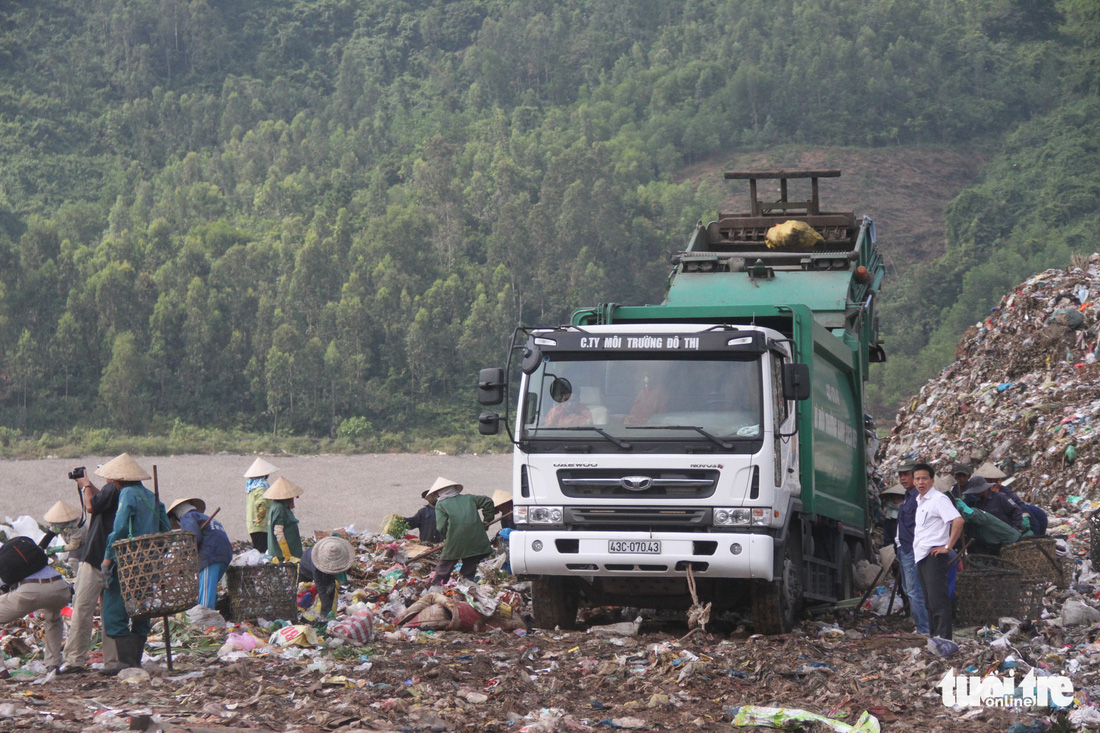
point(637, 518)
point(637, 484)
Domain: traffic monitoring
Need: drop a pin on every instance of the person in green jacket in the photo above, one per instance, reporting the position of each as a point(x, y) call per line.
point(139, 513)
point(464, 536)
point(283, 539)
point(256, 506)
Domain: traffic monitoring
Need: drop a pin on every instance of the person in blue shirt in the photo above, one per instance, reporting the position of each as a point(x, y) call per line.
point(907, 520)
point(215, 549)
point(139, 513)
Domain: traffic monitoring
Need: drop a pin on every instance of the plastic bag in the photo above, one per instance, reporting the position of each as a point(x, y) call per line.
point(755, 715)
point(204, 617)
point(394, 525)
point(298, 635)
point(357, 629)
point(238, 643)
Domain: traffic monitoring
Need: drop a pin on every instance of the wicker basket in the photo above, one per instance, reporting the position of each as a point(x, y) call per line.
point(158, 573)
point(988, 588)
point(263, 591)
point(1038, 559)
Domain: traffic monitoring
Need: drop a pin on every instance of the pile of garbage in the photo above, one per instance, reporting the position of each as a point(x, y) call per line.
point(1023, 393)
point(398, 655)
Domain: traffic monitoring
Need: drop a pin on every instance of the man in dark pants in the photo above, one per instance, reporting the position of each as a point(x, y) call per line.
point(938, 527)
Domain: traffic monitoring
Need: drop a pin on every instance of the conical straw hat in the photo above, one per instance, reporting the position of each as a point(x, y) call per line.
point(500, 496)
point(259, 467)
point(989, 471)
point(283, 488)
point(443, 483)
point(122, 468)
point(199, 504)
point(332, 555)
point(61, 512)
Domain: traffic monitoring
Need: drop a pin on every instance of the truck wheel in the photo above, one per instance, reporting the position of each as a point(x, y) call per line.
point(554, 602)
point(777, 604)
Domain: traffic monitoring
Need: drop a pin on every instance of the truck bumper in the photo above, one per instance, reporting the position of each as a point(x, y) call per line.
point(588, 554)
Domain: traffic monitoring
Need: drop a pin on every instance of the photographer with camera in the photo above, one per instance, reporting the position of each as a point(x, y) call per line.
point(101, 505)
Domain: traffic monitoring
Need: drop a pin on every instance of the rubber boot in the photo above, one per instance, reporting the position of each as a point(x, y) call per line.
point(111, 671)
point(130, 648)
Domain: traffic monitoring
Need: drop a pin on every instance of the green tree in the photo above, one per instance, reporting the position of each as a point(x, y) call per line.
point(124, 385)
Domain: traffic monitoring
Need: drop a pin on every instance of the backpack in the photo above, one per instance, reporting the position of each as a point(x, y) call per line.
point(20, 557)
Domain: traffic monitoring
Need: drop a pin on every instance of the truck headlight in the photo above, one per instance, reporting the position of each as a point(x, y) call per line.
point(731, 517)
point(538, 514)
point(741, 516)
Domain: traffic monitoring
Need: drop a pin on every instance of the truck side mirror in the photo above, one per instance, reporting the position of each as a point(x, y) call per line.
point(796, 381)
point(490, 386)
point(488, 423)
point(532, 357)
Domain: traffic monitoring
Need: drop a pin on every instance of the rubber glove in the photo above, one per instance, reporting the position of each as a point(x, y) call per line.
point(54, 550)
point(286, 550)
point(1026, 523)
point(965, 510)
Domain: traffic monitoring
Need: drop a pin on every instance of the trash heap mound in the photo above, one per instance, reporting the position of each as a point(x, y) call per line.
point(1023, 393)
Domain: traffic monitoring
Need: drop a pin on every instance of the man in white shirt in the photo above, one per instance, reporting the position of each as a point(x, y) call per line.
point(938, 527)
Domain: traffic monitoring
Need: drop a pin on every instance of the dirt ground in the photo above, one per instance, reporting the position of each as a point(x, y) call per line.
point(662, 678)
point(542, 681)
point(337, 491)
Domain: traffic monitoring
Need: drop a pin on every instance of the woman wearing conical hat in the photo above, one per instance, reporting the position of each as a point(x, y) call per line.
point(139, 513)
point(64, 520)
point(464, 537)
point(283, 539)
point(257, 507)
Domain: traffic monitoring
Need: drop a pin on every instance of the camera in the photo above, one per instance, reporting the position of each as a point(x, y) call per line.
point(76, 473)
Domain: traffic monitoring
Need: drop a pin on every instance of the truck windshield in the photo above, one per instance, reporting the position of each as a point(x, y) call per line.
point(715, 400)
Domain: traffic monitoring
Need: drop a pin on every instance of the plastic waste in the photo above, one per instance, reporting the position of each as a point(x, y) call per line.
point(754, 715)
point(297, 635)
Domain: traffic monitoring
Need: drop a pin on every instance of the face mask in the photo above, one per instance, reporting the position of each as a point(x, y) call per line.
point(891, 512)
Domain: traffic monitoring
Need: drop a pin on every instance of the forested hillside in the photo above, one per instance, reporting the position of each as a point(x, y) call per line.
point(319, 217)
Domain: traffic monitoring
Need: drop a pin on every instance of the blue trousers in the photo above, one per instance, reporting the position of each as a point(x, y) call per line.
point(910, 580)
point(209, 577)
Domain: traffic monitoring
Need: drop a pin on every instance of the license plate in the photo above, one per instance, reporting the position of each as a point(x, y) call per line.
point(636, 547)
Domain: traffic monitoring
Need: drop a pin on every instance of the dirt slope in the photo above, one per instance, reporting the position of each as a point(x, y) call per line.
point(904, 189)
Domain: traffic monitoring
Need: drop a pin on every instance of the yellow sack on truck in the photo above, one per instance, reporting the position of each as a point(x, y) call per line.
point(793, 235)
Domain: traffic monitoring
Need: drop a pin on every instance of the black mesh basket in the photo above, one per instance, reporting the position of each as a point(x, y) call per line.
point(263, 591)
point(985, 589)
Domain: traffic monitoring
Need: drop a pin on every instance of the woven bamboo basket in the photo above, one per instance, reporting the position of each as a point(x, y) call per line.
point(1040, 564)
point(263, 591)
point(1038, 559)
point(158, 573)
point(988, 588)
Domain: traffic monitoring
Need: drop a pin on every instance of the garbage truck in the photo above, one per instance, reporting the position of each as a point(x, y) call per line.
point(709, 448)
